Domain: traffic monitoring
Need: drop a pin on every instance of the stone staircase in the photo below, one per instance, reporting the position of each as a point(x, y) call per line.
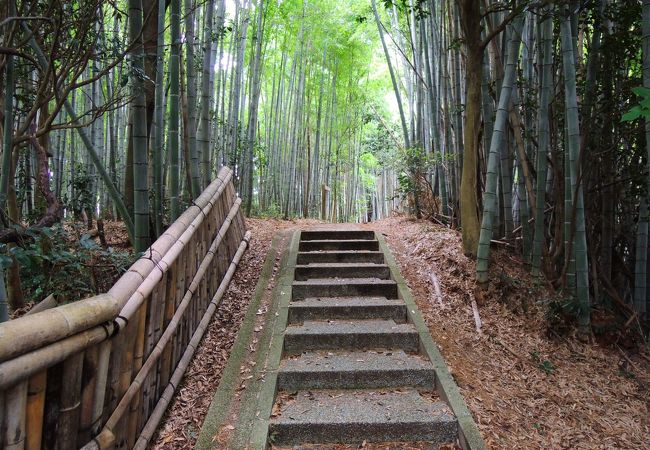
point(353, 367)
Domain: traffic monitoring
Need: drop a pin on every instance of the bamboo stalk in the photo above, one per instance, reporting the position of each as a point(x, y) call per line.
point(14, 430)
point(68, 423)
point(35, 410)
point(26, 365)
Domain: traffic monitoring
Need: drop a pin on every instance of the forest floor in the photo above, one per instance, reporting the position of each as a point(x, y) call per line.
point(525, 388)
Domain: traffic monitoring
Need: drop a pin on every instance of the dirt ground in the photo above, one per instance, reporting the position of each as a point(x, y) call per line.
point(525, 389)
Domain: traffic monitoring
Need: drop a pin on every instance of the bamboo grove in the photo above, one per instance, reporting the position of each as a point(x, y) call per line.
point(520, 123)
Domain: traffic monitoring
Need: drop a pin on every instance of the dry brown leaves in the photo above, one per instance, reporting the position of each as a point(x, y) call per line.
point(524, 389)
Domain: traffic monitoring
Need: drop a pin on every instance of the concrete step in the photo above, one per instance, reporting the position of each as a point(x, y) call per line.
point(355, 370)
point(351, 308)
point(321, 235)
point(322, 417)
point(350, 244)
point(350, 334)
point(344, 287)
point(342, 270)
point(348, 256)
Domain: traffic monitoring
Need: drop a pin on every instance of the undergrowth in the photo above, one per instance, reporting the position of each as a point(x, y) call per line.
point(54, 261)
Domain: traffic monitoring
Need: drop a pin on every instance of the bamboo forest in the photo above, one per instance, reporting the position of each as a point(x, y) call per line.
point(500, 149)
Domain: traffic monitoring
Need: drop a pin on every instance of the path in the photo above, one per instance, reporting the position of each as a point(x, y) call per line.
point(350, 359)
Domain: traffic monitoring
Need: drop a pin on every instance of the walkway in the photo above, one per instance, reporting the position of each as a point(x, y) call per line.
point(350, 359)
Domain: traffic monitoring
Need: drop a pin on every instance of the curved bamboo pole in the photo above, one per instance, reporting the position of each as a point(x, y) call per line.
point(106, 438)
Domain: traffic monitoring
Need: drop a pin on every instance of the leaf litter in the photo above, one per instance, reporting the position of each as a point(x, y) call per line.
point(524, 388)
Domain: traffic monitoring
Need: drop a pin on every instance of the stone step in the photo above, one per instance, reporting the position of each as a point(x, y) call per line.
point(321, 235)
point(349, 244)
point(348, 256)
point(342, 270)
point(323, 417)
point(355, 370)
point(344, 287)
point(351, 308)
point(350, 334)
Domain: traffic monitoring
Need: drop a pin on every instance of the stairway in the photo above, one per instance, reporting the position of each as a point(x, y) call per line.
point(352, 368)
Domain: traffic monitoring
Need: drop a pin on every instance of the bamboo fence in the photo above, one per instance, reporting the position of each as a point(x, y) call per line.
point(99, 373)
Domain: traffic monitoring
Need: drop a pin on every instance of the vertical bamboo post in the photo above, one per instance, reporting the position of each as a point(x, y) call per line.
point(170, 307)
point(35, 410)
point(15, 407)
point(99, 398)
point(68, 423)
point(91, 362)
point(134, 410)
point(124, 380)
point(3, 414)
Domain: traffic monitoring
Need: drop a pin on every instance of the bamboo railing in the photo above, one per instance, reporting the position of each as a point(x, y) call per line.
point(99, 373)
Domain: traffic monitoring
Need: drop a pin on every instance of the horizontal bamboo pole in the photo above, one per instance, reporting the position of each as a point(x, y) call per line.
point(172, 327)
point(26, 365)
point(106, 438)
point(30, 332)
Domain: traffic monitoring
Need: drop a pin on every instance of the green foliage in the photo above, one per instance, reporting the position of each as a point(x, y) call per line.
point(642, 109)
point(274, 211)
point(544, 365)
point(53, 262)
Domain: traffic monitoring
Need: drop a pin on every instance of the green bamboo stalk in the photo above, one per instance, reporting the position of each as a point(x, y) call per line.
point(159, 122)
point(190, 86)
point(139, 130)
point(501, 122)
point(573, 140)
point(546, 82)
point(174, 111)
